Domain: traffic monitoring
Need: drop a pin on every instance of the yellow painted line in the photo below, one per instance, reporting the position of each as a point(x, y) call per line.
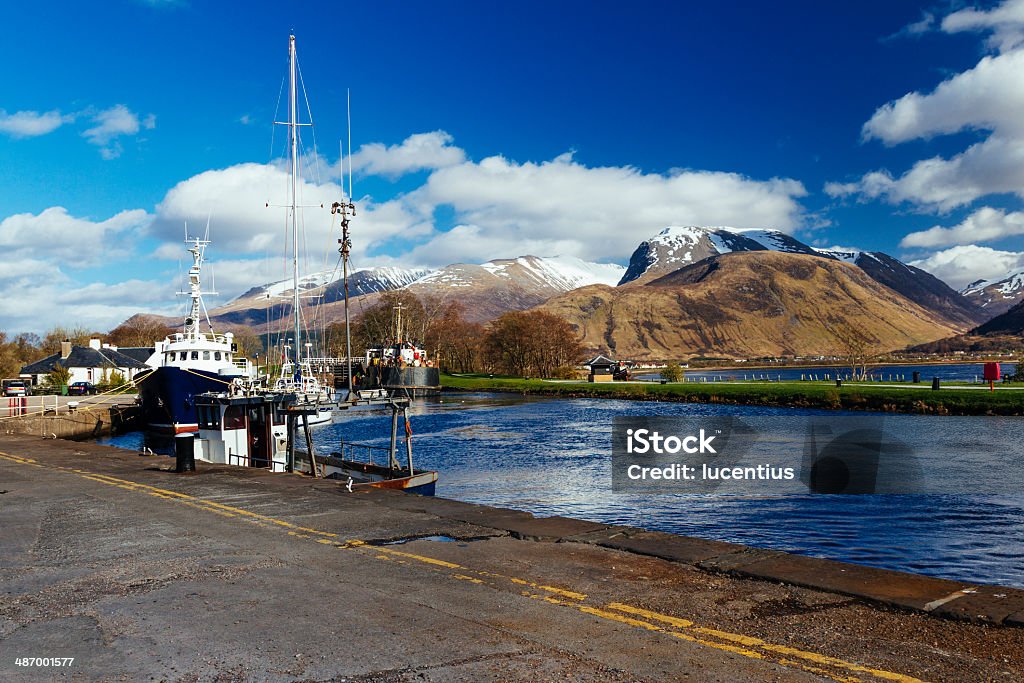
point(743, 643)
point(750, 641)
point(471, 579)
point(675, 621)
point(221, 506)
point(551, 589)
point(421, 558)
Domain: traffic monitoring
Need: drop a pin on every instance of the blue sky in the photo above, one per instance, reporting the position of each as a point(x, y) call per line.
point(488, 130)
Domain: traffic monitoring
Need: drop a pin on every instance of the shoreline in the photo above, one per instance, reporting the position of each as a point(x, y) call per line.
point(910, 400)
point(843, 366)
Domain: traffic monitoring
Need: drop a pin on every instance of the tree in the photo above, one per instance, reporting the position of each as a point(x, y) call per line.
point(18, 353)
point(139, 330)
point(78, 336)
point(454, 341)
point(527, 343)
point(117, 380)
point(58, 377)
point(858, 349)
point(249, 343)
point(672, 372)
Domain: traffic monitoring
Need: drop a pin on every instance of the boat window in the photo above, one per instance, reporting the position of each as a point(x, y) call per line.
point(195, 355)
point(206, 355)
point(209, 417)
point(234, 417)
point(227, 356)
point(216, 355)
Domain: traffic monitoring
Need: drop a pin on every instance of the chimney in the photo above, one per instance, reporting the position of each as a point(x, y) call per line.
point(65, 349)
point(94, 344)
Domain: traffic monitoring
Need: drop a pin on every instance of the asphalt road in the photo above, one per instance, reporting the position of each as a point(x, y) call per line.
point(234, 574)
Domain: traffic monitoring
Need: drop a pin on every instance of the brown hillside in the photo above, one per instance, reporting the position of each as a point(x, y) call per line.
point(747, 304)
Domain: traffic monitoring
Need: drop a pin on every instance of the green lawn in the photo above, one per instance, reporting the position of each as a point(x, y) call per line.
point(946, 401)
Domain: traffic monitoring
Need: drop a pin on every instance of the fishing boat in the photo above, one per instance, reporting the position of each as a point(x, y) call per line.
point(189, 362)
point(262, 429)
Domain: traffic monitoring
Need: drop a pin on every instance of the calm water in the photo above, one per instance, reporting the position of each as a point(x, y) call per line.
point(959, 372)
point(552, 456)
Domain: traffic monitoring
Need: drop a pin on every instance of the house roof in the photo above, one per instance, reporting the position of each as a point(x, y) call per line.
point(84, 357)
point(601, 360)
point(139, 353)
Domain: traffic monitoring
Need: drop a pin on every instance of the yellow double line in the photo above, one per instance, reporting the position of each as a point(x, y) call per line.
point(675, 627)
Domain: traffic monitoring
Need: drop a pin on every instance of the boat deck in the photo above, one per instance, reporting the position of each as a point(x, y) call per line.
point(240, 574)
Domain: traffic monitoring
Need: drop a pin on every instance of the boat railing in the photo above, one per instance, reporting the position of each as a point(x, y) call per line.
point(250, 461)
point(362, 452)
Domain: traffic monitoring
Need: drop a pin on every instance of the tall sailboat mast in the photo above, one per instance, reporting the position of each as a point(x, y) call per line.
point(293, 129)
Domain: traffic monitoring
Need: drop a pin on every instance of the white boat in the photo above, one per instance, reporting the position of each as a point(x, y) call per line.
point(296, 372)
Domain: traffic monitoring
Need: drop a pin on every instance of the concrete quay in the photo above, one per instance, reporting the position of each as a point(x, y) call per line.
point(69, 417)
point(234, 574)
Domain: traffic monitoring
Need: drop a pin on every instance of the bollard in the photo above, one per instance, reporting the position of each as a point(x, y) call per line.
point(839, 382)
point(185, 452)
point(917, 377)
point(935, 384)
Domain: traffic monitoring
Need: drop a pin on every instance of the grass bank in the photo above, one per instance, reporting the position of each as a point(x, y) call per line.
point(947, 401)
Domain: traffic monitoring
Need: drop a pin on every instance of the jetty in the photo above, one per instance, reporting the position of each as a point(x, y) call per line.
point(133, 572)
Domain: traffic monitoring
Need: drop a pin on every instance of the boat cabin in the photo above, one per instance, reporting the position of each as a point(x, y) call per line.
point(250, 431)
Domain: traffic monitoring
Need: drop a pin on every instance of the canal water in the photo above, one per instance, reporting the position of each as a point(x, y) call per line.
point(552, 457)
point(948, 372)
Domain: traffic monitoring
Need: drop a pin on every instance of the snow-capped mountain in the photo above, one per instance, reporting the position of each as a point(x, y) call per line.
point(997, 296)
point(361, 281)
point(561, 273)
point(675, 247)
point(501, 285)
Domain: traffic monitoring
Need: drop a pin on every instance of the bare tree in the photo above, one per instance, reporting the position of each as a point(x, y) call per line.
point(858, 348)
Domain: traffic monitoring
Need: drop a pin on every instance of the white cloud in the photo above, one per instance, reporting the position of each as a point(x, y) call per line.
point(112, 123)
point(986, 97)
point(55, 235)
point(241, 224)
point(1005, 21)
point(416, 153)
point(29, 124)
point(593, 213)
point(47, 296)
point(993, 166)
point(960, 266)
point(984, 225)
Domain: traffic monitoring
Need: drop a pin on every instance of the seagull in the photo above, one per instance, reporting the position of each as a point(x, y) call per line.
point(348, 486)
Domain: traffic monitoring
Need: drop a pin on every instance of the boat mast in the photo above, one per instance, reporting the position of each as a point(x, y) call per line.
point(293, 128)
point(195, 292)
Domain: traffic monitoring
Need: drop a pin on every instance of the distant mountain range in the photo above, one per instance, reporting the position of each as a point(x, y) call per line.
point(485, 290)
point(997, 296)
point(667, 284)
point(1005, 332)
point(748, 304)
point(675, 247)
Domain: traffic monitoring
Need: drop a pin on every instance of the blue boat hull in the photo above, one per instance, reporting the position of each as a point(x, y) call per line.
point(167, 395)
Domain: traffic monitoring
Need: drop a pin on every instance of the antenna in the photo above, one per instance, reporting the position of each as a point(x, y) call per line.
point(348, 111)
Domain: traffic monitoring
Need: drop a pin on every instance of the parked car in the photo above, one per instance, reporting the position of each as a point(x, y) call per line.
point(15, 387)
point(81, 389)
